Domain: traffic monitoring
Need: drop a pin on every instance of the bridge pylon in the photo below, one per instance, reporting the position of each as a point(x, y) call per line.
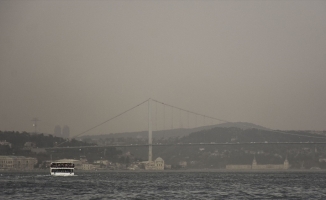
point(149, 131)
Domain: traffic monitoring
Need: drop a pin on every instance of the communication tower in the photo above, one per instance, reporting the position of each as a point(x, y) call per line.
point(35, 120)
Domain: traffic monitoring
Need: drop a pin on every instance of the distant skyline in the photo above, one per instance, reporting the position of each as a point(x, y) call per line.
point(82, 62)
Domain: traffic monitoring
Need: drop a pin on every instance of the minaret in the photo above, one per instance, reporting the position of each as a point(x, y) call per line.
point(149, 131)
point(286, 163)
point(254, 163)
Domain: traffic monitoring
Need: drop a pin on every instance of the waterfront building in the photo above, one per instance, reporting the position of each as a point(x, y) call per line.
point(256, 166)
point(87, 166)
point(17, 163)
point(157, 164)
point(238, 167)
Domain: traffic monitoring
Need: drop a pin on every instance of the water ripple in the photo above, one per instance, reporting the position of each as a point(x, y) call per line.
point(165, 185)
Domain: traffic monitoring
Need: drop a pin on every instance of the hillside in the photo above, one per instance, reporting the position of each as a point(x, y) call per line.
point(18, 140)
point(303, 155)
point(32, 145)
point(173, 133)
point(232, 134)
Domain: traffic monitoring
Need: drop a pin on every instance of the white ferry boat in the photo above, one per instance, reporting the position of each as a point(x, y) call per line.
point(62, 169)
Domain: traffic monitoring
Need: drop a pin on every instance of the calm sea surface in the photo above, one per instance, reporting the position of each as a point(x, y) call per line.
point(165, 185)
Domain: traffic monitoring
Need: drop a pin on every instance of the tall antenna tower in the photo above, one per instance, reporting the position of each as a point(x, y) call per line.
point(35, 120)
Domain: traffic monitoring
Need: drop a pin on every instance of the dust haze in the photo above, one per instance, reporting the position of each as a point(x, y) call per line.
point(79, 63)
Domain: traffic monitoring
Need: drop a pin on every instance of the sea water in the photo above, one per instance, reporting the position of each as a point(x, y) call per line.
point(164, 185)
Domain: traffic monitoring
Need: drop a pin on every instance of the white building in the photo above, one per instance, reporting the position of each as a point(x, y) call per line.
point(5, 143)
point(157, 164)
point(256, 166)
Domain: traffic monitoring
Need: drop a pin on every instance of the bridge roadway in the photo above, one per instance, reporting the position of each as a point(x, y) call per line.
point(192, 144)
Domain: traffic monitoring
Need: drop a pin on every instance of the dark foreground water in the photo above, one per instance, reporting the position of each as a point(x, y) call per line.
point(165, 185)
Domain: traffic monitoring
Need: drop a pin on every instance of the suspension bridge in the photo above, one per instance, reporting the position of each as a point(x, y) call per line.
point(187, 119)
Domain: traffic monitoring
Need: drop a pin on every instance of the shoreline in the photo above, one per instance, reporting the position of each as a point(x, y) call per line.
point(172, 171)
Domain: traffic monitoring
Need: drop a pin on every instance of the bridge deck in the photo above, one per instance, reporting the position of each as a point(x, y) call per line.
point(195, 144)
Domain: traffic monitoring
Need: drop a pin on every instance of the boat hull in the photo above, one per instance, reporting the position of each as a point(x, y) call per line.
point(62, 174)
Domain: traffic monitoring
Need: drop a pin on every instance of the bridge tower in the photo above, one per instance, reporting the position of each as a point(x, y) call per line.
point(149, 131)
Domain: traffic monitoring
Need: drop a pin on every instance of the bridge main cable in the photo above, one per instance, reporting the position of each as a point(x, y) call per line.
point(209, 117)
point(276, 131)
point(105, 121)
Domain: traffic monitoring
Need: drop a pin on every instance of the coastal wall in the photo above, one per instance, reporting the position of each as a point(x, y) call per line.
point(256, 166)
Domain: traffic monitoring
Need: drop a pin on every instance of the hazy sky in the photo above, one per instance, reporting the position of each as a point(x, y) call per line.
point(79, 63)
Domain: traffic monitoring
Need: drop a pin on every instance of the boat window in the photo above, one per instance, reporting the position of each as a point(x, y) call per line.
point(61, 165)
point(62, 170)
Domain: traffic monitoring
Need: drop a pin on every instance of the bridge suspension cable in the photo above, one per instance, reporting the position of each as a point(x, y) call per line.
point(225, 121)
point(191, 112)
point(105, 121)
